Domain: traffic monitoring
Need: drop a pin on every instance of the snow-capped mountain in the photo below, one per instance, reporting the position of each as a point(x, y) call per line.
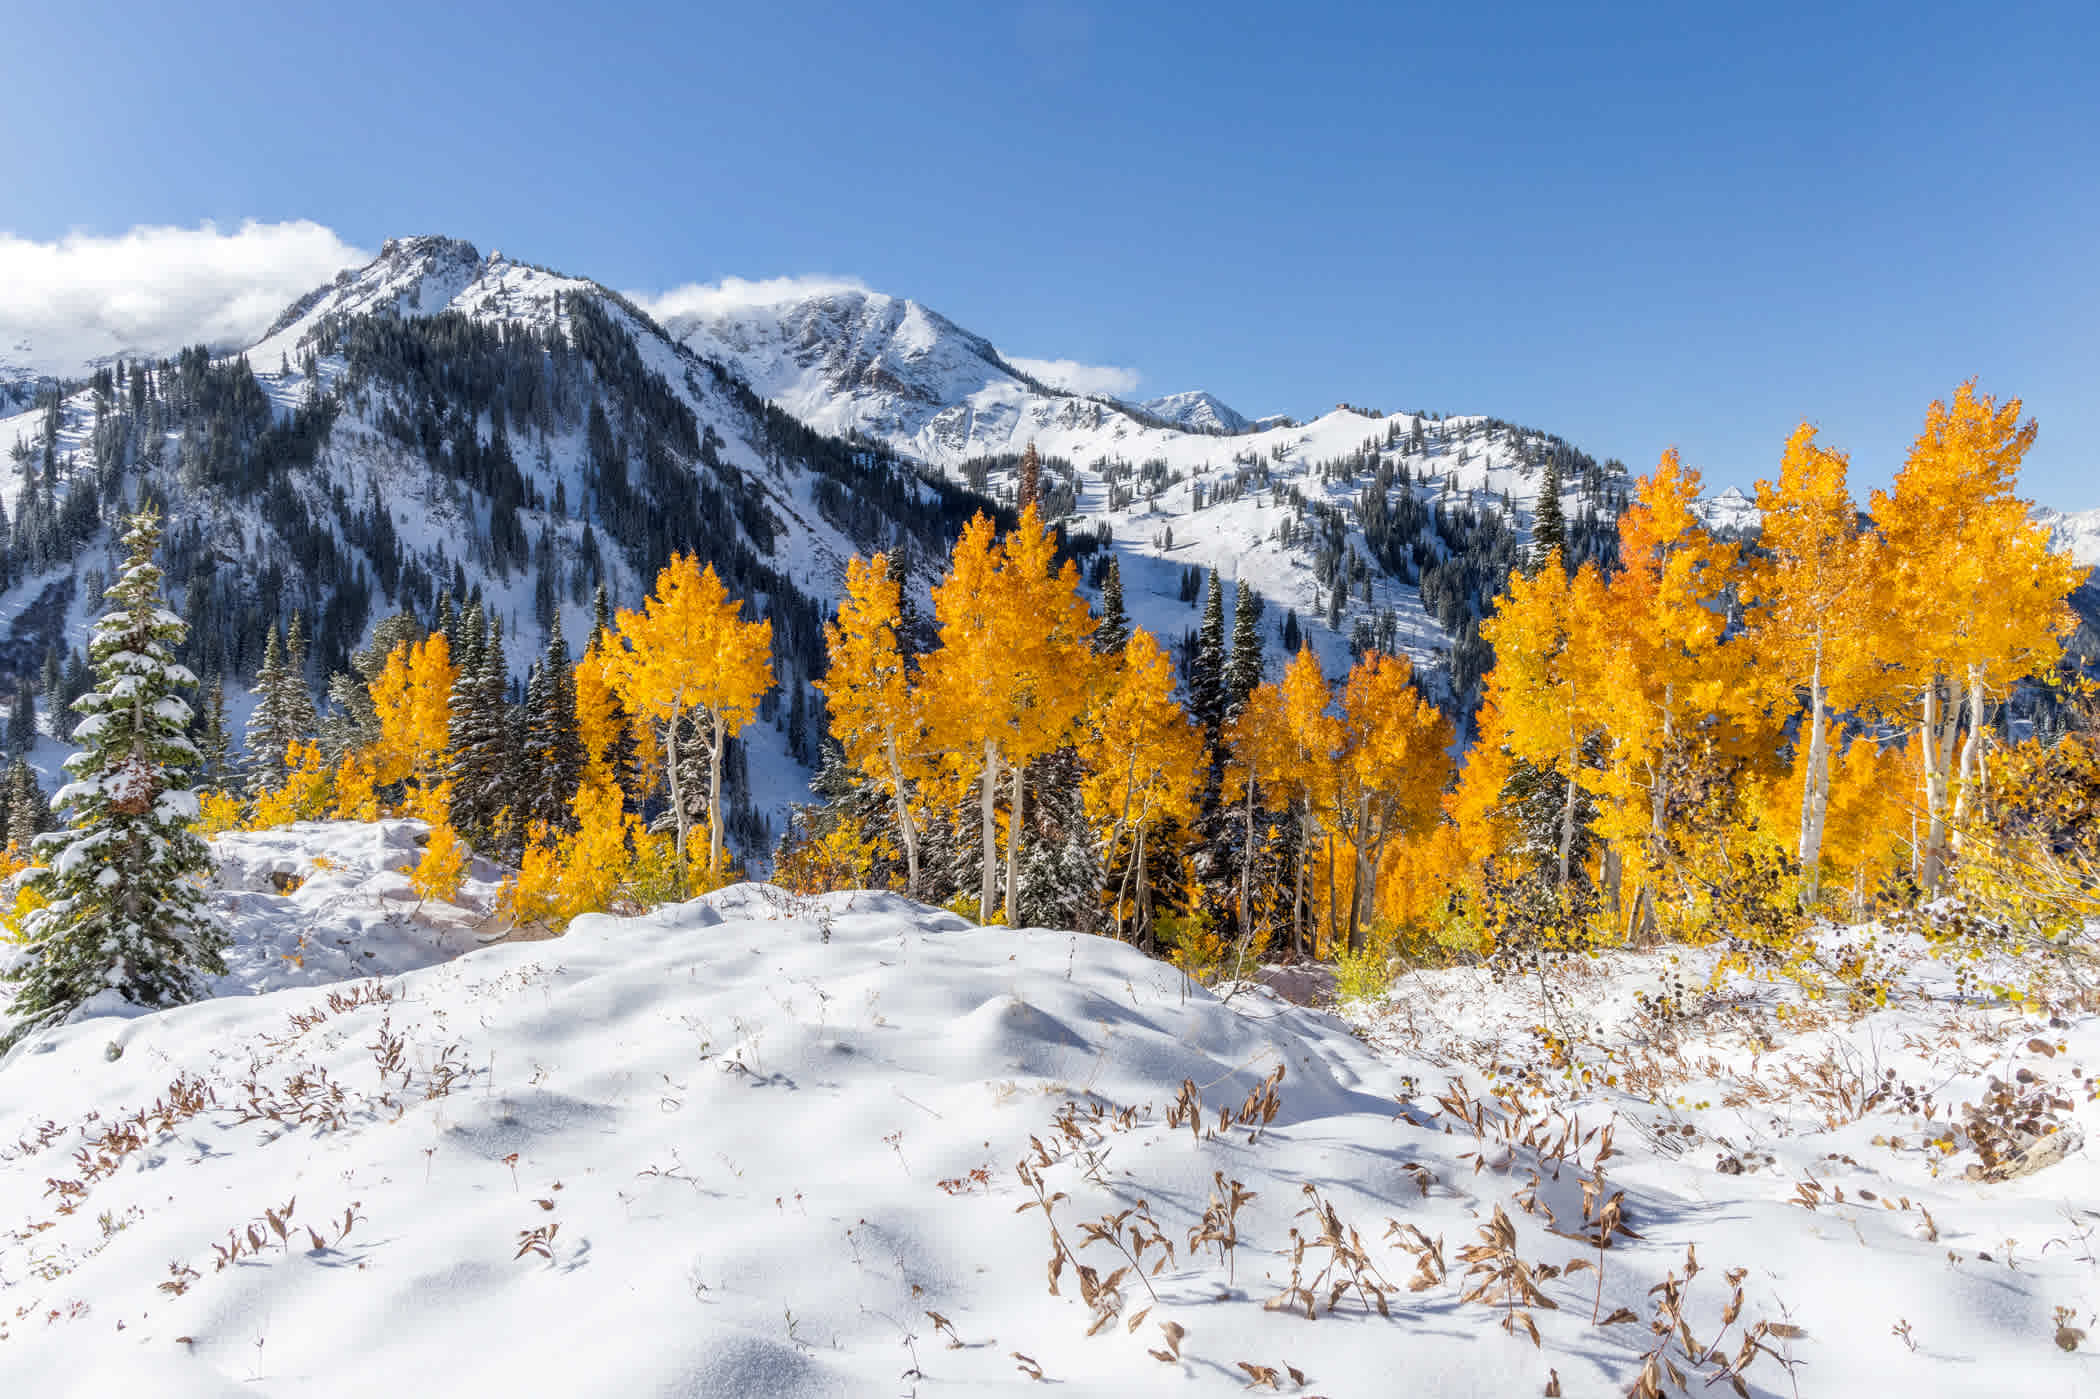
point(1197, 411)
point(1178, 482)
point(2076, 533)
point(440, 419)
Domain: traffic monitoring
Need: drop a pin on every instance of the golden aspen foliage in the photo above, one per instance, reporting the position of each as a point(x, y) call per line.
point(1011, 675)
point(413, 700)
point(1547, 692)
point(1145, 765)
point(1667, 684)
point(1395, 762)
point(600, 723)
point(1812, 622)
point(562, 877)
point(442, 867)
point(356, 789)
point(875, 709)
point(218, 813)
point(305, 793)
point(687, 654)
point(1976, 595)
point(1305, 750)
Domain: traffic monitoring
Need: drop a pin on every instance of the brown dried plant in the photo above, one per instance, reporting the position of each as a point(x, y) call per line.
point(1220, 1226)
point(1348, 1265)
point(1505, 1280)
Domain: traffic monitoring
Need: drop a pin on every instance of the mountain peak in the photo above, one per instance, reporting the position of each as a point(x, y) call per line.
point(1197, 410)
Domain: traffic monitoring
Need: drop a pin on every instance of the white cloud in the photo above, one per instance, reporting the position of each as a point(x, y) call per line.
point(1074, 377)
point(154, 290)
point(736, 294)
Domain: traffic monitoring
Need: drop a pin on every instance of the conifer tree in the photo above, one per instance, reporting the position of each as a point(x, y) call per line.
point(1028, 490)
point(215, 746)
point(125, 910)
point(1244, 671)
point(271, 724)
point(1206, 677)
point(555, 751)
point(1114, 629)
point(478, 734)
point(28, 813)
point(1549, 526)
point(21, 719)
point(299, 715)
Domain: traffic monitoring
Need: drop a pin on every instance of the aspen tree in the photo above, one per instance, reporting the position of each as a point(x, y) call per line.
point(1978, 597)
point(1011, 673)
point(1395, 761)
point(875, 709)
point(1812, 624)
point(688, 655)
point(1145, 764)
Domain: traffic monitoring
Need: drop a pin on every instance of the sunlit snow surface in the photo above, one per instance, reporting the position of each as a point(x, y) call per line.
point(747, 1127)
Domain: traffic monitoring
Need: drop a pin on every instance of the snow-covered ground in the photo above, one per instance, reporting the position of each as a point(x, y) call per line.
point(762, 1145)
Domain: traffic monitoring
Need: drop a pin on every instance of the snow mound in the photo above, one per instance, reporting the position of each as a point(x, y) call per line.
point(753, 1144)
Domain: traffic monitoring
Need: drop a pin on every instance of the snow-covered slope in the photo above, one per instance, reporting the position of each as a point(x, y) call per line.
point(762, 1145)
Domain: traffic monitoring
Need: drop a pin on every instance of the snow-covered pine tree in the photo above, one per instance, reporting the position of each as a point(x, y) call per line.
point(215, 745)
point(283, 713)
point(554, 748)
point(126, 908)
point(1028, 489)
point(1115, 622)
point(1549, 526)
point(480, 733)
point(28, 813)
point(1243, 671)
point(21, 719)
point(298, 694)
point(1206, 678)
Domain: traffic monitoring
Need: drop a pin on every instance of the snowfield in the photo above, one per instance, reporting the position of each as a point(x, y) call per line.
point(766, 1145)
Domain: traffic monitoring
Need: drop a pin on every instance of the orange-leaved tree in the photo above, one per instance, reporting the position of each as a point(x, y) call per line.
point(1395, 763)
point(875, 711)
point(1978, 597)
point(413, 701)
point(1812, 622)
point(1010, 676)
point(1145, 764)
point(1665, 680)
point(1545, 697)
point(688, 656)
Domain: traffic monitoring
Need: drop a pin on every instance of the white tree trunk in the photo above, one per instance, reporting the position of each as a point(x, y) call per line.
point(714, 796)
point(906, 827)
point(988, 882)
point(1013, 849)
point(1969, 796)
point(678, 814)
point(1942, 723)
point(1815, 788)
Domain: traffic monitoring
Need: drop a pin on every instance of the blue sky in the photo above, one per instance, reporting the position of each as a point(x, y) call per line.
point(1634, 225)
